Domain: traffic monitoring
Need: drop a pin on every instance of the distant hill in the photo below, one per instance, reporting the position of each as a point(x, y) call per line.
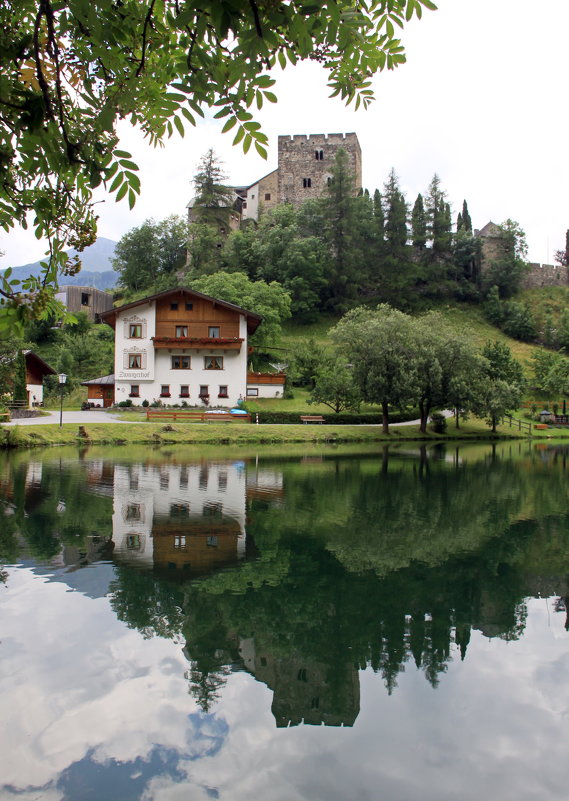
point(97, 269)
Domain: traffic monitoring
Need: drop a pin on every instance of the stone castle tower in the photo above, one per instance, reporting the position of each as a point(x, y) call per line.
point(304, 169)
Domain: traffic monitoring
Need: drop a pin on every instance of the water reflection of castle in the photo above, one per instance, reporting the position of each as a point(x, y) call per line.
point(305, 690)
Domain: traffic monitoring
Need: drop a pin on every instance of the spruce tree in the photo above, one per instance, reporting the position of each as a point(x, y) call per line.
point(419, 224)
point(213, 201)
point(459, 223)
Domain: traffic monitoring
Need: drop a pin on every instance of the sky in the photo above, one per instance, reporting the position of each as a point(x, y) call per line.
point(481, 101)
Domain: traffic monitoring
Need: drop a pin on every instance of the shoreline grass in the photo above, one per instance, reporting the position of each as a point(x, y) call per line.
point(125, 434)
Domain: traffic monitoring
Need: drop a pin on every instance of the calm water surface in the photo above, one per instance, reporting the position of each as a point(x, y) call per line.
point(387, 625)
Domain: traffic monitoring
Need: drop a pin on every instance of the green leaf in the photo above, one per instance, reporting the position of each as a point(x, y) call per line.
point(179, 125)
point(116, 183)
point(229, 124)
point(122, 192)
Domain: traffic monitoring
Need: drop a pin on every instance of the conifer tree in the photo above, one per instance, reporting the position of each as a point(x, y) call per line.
point(466, 221)
point(213, 200)
point(341, 231)
point(459, 223)
point(19, 391)
point(419, 224)
point(395, 215)
point(378, 216)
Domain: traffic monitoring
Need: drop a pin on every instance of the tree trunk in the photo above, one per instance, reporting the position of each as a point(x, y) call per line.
point(385, 417)
point(424, 409)
point(456, 416)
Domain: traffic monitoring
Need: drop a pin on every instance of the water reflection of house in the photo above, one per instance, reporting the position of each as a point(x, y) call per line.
point(305, 690)
point(180, 517)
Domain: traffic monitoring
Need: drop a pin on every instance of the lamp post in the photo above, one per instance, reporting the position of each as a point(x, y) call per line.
point(62, 378)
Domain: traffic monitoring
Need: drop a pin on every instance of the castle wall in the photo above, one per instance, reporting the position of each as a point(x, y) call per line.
point(541, 275)
point(305, 164)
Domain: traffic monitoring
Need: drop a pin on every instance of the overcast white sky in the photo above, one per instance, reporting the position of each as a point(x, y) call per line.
point(481, 101)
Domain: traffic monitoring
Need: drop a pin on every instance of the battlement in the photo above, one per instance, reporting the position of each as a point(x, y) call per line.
point(540, 275)
point(316, 139)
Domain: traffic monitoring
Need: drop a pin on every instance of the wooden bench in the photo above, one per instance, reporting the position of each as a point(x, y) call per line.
point(198, 417)
point(311, 418)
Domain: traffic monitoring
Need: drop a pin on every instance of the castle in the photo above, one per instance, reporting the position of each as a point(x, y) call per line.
point(496, 248)
point(304, 171)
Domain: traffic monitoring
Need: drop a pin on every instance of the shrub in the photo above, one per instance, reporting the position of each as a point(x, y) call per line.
point(342, 419)
point(125, 403)
point(438, 423)
point(145, 403)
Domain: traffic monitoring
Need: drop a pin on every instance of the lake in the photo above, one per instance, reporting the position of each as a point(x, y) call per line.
point(316, 625)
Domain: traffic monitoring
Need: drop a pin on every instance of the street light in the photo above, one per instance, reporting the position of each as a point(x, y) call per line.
point(62, 378)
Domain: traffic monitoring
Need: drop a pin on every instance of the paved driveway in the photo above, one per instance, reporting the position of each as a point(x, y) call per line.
point(80, 418)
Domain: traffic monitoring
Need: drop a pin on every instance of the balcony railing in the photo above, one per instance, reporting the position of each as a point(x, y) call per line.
point(199, 343)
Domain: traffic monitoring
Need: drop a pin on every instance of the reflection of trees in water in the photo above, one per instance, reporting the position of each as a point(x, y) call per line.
point(374, 563)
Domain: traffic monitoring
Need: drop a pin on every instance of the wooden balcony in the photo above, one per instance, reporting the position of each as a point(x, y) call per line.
point(197, 343)
point(266, 378)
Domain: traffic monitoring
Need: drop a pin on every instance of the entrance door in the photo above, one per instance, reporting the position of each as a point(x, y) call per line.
point(108, 394)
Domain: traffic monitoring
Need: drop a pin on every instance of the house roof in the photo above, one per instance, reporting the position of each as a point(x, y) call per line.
point(105, 380)
point(253, 319)
point(44, 367)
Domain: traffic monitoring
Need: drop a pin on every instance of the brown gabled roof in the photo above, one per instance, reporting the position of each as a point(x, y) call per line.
point(44, 366)
point(253, 319)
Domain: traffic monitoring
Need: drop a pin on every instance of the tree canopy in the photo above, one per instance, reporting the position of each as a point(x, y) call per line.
point(71, 70)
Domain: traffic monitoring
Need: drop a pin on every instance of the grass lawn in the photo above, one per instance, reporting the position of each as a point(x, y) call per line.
point(246, 434)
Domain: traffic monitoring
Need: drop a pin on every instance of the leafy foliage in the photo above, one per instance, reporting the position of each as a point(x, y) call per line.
point(71, 70)
point(150, 254)
point(269, 300)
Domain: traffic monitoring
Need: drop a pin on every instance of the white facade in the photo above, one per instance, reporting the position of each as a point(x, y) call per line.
point(35, 394)
point(193, 494)
point(143, 372)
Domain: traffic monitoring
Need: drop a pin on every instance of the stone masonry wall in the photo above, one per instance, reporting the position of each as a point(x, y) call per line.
point(541, 275)
point(305, 164)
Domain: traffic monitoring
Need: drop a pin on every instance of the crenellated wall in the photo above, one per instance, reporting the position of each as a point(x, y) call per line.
point(541, 275)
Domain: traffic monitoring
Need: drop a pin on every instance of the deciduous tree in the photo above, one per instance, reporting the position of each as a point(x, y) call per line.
point(72, 69)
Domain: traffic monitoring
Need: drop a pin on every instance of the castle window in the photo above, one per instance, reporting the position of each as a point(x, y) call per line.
point(307, 183)
point(319, 155)
point(329, 180)
point(181, 331)
point(267, 195)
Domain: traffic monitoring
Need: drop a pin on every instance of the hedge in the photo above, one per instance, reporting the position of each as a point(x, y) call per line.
point(341, 419)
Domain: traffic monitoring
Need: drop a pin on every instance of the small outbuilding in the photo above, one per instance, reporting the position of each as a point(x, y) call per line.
point(100, 391)
point(36, 371)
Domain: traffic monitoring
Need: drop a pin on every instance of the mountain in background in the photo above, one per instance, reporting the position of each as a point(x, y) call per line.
point(97, 269)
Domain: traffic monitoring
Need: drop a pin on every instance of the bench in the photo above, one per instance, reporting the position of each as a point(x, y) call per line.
point(198, 417)
point(311, 418)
